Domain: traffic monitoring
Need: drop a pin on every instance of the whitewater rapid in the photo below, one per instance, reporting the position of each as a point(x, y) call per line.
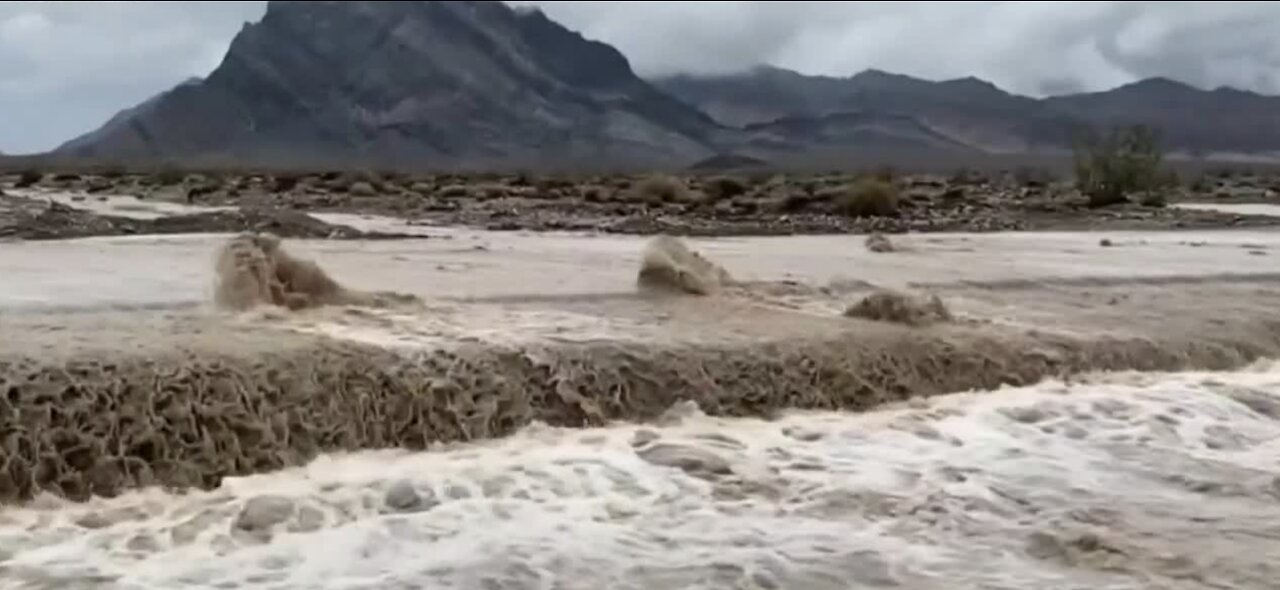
point(1132, 480)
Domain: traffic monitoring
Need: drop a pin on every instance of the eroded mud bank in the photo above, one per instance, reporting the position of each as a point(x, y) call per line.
point(96, 424)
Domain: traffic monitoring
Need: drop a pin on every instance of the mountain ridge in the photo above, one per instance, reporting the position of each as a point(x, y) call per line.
point(451, 82)
point(478, 84)
point(988, 118)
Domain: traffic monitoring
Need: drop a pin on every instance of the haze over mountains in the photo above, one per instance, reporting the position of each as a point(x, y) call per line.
point(473, 84)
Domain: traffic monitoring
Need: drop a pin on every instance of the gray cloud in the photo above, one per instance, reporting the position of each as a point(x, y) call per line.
point(67, 66)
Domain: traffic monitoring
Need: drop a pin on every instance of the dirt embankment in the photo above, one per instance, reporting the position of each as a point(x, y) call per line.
point(728, 204)
point(188, 407)
point(35, 219)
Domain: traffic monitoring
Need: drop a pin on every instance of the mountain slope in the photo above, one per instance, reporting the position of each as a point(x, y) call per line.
point(1222, 120)
point(977, 114)
point(428, 83)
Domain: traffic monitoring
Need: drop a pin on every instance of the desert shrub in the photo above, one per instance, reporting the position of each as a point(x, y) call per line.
point(365, 178)
point(795, 202)
point(869, 197)
point(1153, 199)
point(453, 191)
point(1124, 162)
point(1200, 184)
point(661, 189)
point(112, 172)
point(551, 183)
point(28, 178)
point(968, 176)
point(169, 176)
point(285, 183)
point(724, 187)
point(1166, 182)
point(361, 188)
point(594, 194)
point(761, 177)
point(1033, 176)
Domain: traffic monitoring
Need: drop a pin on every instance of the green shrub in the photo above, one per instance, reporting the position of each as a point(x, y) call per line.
point(284, 183)
point(661, 189)
point(869, 197)
point(1125, 162)
point(28, 178)
point(169, 177)
point(724, 187)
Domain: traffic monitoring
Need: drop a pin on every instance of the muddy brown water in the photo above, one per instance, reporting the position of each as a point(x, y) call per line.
point(120, 383)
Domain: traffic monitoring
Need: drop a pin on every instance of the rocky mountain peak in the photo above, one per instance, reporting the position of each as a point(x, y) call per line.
point(445, 83)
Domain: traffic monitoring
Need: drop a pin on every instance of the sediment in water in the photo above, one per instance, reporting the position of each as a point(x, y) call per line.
point(97, 424)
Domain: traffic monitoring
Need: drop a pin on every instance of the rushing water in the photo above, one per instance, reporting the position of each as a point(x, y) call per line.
point(1121, 481)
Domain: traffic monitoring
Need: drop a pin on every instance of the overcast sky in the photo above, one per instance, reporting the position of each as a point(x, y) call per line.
point(65, 67)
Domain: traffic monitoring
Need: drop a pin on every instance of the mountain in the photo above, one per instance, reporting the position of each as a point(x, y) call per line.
point(479, 84)
point(119, 124)
point(456, 83)
point(973, 114)
point(903, 111)
point(1224, 120)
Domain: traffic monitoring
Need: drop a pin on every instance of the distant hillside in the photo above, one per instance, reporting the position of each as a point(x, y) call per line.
point(977, 114)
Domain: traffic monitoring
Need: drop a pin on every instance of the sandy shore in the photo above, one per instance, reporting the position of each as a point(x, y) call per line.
point(115, 374)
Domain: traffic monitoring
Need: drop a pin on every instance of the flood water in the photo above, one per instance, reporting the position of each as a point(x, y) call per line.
point(1123, 481)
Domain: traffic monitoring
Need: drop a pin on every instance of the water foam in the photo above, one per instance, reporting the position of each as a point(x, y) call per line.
point(1121, 481)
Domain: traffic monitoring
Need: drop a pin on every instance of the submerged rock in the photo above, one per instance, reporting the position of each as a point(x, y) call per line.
point(403, 497)
point(264, 512)
point(692, 460)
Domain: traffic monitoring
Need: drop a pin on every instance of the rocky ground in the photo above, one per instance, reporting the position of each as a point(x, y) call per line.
point(744, 204)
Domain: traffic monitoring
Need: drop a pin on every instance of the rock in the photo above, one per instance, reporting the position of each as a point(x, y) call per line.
point(263, 512)
point(692, 460)
point(643, 437)
point(362, 189)
point(110, 518)
point(801, 434)
point(402, 497)
point(143, 543)
point(309, 520)
point(1025, 415)
point(1105, 243)
point(94, 520)
point(879, 243)
point(679, 412)
point(1262, 403)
